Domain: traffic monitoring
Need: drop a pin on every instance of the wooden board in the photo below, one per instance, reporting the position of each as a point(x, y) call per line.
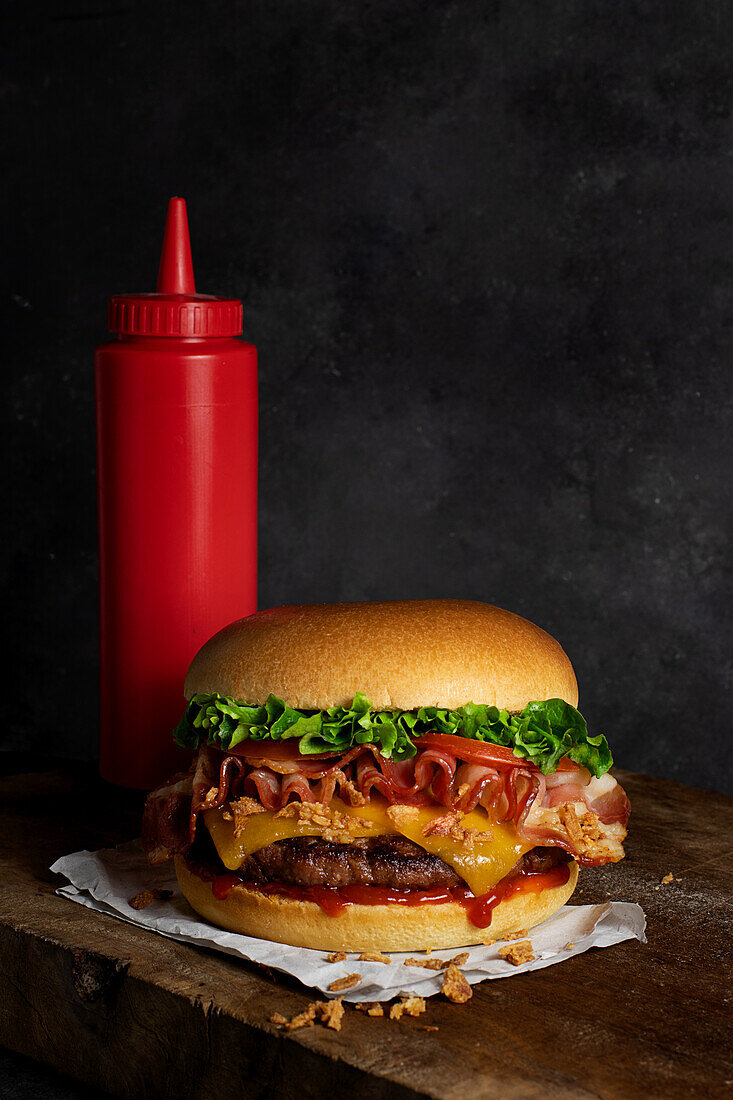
point(139, 1015)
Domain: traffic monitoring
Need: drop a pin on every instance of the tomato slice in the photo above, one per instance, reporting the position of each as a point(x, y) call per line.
point(475, 752)
point(483, 752)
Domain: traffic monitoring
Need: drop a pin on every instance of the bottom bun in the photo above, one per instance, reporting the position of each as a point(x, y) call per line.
point(392, 927)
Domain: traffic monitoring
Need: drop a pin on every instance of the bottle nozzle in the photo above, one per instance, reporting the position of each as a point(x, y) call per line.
point(175, 309)
point(175, 274)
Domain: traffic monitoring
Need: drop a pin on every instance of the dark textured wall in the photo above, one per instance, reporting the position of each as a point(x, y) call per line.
point(484, 250)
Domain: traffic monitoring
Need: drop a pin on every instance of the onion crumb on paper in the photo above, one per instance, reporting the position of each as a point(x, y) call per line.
point(336, 957)
point(147, 897)
point(520, 935)
point(438, 964)
point(518, 953)
point(346, 982)
point(426, 964)
point(374, 957)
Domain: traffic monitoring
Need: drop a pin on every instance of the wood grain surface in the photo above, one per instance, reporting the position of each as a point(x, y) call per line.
point(140, 1015)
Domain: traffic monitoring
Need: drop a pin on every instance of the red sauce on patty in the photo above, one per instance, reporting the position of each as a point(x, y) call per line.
point(334, 901)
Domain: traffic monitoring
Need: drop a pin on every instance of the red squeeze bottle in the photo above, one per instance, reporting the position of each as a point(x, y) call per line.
point(176, 398)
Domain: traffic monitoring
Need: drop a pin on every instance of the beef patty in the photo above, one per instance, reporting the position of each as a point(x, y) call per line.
point(392, 861)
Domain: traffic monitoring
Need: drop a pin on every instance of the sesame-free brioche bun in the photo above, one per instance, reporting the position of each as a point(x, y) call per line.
point(392, 927)
point(402, 655)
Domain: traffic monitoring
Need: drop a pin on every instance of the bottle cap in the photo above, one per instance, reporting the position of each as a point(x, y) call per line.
point(175, 309)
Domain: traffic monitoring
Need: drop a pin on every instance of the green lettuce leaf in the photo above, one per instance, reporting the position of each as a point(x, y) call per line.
point(543, 733)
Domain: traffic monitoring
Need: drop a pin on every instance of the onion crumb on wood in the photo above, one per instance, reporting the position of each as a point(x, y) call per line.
point(372, 1008)
point(328, 1013)
point(455, 986)
point(411, 1005)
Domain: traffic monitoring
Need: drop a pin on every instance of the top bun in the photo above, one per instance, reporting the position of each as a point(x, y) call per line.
point(402, 655)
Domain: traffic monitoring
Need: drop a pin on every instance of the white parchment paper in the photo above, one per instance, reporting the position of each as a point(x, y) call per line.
point(106, 880)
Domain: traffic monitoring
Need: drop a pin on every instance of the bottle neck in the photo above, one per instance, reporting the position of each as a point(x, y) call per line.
point(162, 341)
point(184, 346)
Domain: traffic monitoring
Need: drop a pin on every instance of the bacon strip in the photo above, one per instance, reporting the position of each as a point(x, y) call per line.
point(285, 758)
point(613, 807)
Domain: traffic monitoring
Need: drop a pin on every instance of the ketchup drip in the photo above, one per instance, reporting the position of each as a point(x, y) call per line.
point(334, 901)
point(480, 909)
point(222, 885)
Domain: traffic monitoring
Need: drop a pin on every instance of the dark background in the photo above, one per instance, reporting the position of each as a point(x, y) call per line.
point(484, 250)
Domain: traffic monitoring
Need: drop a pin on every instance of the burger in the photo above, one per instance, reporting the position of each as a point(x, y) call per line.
point(384, 777)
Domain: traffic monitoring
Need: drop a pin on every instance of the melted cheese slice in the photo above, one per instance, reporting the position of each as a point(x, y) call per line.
point(495, 850)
